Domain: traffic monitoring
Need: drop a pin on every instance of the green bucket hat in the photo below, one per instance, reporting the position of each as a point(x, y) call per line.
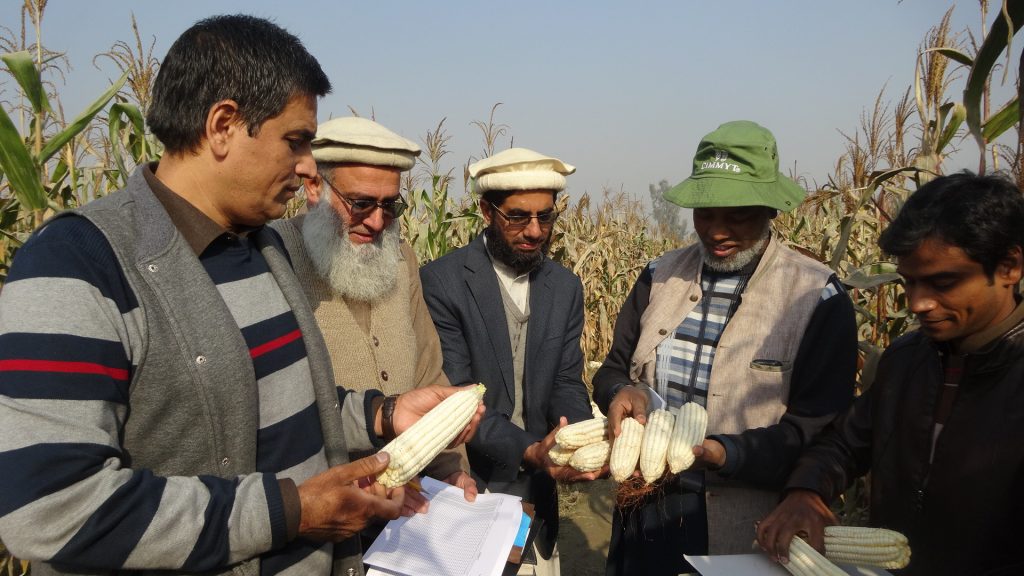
point(737, 165)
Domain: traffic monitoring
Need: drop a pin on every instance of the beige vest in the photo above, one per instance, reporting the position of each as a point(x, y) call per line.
point(390, 346)
point(769, 324)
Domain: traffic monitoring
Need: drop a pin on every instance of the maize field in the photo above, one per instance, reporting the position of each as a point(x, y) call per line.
point(52, 162)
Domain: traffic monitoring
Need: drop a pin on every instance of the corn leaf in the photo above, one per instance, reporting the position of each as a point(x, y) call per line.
point(955, 121)
point(81, 122)
point(994, 44)
point(24, 70)
point(954, 55)
point(1001, 121)
point(17, 163)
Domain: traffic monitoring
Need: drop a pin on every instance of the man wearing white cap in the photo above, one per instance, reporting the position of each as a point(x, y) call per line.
point(761, 336)
point(512, 319)
point(360, 278)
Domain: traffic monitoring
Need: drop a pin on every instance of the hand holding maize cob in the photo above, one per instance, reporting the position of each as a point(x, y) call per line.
point(415, 447)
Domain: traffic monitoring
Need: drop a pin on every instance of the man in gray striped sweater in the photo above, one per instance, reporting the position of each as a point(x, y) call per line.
point(166, 399)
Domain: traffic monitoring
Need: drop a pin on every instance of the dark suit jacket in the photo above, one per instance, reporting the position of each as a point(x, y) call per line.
point(462, 294)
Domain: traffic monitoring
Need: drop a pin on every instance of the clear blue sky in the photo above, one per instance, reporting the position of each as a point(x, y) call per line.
point(622, 90)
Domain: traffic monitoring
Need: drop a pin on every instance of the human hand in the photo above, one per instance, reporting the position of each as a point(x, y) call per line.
point(536, 456)
point(341, 501)
point(463, 480)
point(709, 455)
point(630, 401)
point(415, 501)
point(802, 513)
point(412, 405)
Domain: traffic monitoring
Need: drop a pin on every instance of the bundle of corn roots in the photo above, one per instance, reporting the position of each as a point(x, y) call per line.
point(662, 448)
point(850, 545)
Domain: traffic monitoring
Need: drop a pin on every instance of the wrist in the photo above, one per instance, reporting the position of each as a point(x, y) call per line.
point(387, 417)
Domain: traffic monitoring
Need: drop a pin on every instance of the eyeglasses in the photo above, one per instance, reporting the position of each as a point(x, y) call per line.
point(364, 207)
point(544, 219)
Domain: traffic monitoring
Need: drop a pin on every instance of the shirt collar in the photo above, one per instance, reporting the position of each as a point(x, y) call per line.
point(977, 342)
point(198, 229)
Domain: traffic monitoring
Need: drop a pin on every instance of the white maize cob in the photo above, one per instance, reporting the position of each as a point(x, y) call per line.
point(655, 444)
point(691, 425)
point(626, 449)
point(560, 454)
point(412, 450)
point(582, 433)
point(591, 457)
point(806, 561)
point(867, 546)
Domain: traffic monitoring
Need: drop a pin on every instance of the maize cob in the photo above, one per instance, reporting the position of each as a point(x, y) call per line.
point(582, 433)
point(412, 450)
point(655, 444)
point(560, 454)
point(626, 449)
point(867, 546)
point(691, 425)
point(591, 457)
point(806, 561)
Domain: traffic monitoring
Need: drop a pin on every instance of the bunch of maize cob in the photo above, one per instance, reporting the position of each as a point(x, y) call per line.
point(626, 449)
point(691, 425)
point(572, 439)
point(867, 546)
point(591, 457)
point(412, 450)
point(655, 444)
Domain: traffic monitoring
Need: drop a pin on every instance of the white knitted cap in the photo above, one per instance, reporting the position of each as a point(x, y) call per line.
point(363, 141)
point(519, 169)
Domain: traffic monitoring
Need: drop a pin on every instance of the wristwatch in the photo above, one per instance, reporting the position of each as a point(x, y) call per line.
point(387, 417)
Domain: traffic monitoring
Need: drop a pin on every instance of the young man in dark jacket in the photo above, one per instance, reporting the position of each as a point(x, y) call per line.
point(937, 428)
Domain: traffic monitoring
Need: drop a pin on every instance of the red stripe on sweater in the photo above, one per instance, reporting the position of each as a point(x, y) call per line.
point(275, 343)
point(69, 367)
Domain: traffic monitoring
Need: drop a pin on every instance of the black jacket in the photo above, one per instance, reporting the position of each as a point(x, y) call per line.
point(963, 512)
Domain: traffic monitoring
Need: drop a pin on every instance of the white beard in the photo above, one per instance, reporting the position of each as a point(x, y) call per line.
point(362, 272)
point(740, 259)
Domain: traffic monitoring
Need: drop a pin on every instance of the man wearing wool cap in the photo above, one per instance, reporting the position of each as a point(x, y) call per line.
point(511, 318)
point(361, 279)
point(761, 336)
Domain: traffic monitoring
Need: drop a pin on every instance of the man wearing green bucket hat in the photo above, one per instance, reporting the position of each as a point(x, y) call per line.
point(761, 336)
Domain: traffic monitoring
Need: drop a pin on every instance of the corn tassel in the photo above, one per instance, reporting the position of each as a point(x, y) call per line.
point(560, 455)
point(655, 444)
point(626, 449)
point(867, 546)
point(582, 433)
point(591, 457)
point(412, 450)
point(689, 430)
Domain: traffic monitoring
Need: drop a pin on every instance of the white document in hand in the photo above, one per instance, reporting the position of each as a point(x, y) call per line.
point(454, 538)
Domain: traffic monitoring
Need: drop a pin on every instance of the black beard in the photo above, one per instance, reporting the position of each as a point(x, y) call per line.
point(519, 262)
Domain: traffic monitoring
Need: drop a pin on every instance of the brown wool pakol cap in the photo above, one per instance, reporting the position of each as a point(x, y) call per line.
point(519, 169)
point(361, 141)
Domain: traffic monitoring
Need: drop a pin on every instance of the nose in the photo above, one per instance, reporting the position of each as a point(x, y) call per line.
point(306, 166)
point(532, 229)
point(374, 221)
point(920, 301)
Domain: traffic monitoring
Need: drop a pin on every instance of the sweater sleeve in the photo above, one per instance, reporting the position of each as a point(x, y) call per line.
point(822, 385)
point(70, 338)
point(614, 371)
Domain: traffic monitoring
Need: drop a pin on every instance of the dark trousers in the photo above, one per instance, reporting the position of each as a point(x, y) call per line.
point(650, 539)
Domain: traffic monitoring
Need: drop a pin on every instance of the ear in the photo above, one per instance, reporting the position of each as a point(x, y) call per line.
point(485, 210)
point(314, 187)
point(1011, 267)
point(223, 122)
